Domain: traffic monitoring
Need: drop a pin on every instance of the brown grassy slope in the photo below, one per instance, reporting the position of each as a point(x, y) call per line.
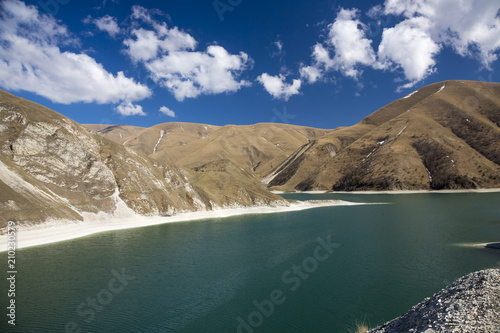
point(230, 185)
point(453, 133)
point(256, 148)
point(328, 146)
point(227, 162)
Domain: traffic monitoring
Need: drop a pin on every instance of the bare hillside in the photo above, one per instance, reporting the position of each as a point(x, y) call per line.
point(53, 168)
point(443, 136)
point(256, 148)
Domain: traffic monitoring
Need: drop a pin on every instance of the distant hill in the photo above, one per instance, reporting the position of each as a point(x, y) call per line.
point(256, 148)
point(443, 136)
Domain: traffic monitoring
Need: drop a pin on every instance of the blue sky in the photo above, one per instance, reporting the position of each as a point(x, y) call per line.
point(325, 64)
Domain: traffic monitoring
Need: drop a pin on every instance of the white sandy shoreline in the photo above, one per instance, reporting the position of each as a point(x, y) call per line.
point(57, 231)
point(485, 190)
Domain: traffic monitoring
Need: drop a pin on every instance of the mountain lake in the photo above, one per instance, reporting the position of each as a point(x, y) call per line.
point(318, 270)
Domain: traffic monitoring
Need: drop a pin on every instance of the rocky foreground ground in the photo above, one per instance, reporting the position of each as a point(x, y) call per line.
point(470, 304)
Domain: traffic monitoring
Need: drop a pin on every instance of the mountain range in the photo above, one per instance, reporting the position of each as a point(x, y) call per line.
point(443, 136)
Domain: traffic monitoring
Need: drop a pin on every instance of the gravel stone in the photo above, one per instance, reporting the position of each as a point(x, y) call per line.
point(470, 304)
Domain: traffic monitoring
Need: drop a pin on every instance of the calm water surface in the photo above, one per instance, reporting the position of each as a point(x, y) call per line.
point(260, 273)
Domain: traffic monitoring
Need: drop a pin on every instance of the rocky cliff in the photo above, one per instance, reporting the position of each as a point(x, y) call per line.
point(53, 168)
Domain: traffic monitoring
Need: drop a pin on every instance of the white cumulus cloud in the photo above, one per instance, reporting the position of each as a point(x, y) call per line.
point(321, 57)
point(278, 88)
point(409, 45)
point(166, 111)
point(414, 33)
point(147, 44)
point(31, 60)
point(189, 74)
point(310, 74)
point(126, 108)
point(106, 23)
point(350, 44)
point(470, 27)
point(169, 56)
point(346, 49)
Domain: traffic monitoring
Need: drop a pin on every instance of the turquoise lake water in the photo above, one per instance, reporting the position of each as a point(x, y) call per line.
point(319, 270)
